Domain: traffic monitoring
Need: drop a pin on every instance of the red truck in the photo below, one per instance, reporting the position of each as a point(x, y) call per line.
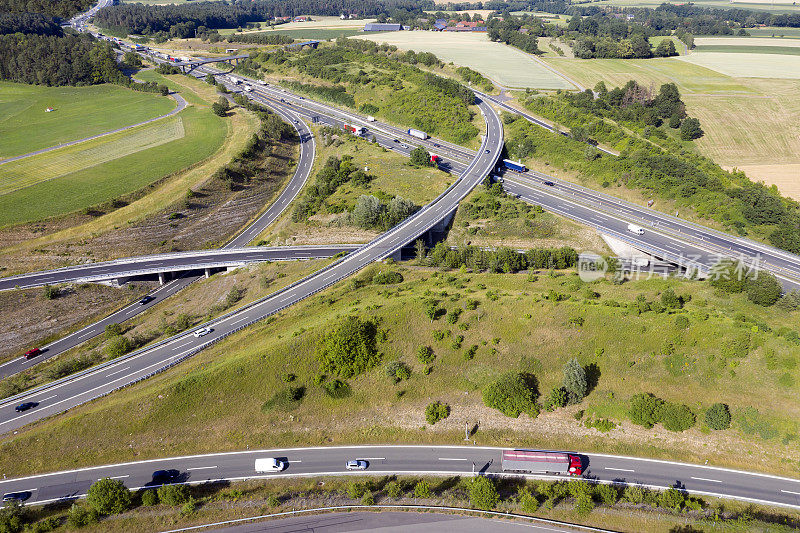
point(30, 354)
point(355, 130)
point(538, 462)
point(435, 159)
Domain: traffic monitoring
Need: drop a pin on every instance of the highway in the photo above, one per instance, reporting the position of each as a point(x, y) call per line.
point(298, 180)
point(410, 460)
point(74, 390)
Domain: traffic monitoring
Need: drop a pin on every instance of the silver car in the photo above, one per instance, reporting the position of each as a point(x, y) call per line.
point(356, 465)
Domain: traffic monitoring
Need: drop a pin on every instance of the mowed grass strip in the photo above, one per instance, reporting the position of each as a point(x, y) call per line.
point(51, 165)
point(204, 133)
point(78, 112)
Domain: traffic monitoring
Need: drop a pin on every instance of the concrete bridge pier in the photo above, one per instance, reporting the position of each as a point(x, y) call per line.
point(208, 273)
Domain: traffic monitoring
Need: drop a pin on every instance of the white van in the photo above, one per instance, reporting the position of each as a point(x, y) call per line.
point(638, 230)
point(269, 464)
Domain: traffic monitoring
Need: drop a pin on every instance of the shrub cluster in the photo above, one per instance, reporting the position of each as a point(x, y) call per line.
point(512, 394)
point(504, 259)
point(647, 410)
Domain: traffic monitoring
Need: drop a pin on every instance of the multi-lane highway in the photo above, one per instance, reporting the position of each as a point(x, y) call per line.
point(287, 195)
point(74, 390)
point(409, 460)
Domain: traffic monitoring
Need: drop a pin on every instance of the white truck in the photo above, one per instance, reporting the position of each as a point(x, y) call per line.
point(234, 80)
point(370, 118)
point(638, 230)
point(269, 464)
point(247, 88)
point(418, 134)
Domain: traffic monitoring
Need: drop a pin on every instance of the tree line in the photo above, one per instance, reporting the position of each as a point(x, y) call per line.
point(53, 8)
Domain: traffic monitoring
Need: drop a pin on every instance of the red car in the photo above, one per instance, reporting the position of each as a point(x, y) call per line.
point(30, 354)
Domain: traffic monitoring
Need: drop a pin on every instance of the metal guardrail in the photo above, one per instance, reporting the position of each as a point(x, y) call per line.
point(427, 508)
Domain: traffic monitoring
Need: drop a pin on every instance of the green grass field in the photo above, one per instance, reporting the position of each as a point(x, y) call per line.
point(503, 64)
point(78, 112)
point(776, 32)
point(63, 181)
point(515, 327)
point(322, 34)
point(748, 65)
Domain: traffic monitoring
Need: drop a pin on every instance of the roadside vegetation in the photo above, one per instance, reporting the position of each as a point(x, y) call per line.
point(535, 358)
point(110, 506)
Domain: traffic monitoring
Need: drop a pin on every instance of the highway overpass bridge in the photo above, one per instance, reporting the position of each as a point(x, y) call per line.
point(188, 66)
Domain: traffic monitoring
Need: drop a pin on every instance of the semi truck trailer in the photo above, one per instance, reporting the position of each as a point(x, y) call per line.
point(418, 134)
point(538, 462)
point(355, 130)
point(638, 230)
point(512, 165)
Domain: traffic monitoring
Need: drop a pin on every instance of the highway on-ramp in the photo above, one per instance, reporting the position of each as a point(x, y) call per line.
point(409, 460)
point(74, 390)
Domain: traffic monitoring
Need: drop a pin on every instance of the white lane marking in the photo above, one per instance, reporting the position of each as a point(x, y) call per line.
point(12, 361)
point(181, 345)
point(115, 477)
point(118, 371)
point(373, 458)
point(49, 397)
point(284, 299)
point(791, 492)
point(706, 479)
point(240, 320)
point(84, 335)
point(294, 461)
point(452, 459)
point(202, 468)
point(619, 469)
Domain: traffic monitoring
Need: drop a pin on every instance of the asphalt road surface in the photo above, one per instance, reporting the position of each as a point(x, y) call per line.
point(408, 460)
point(84, 386)
point(252, 230)
point(391, 522)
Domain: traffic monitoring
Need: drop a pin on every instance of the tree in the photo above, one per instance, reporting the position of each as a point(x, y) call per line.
point(132, 60)
point(729, 276)
point(113, 330)
point(718, 416)
point(221, 107)
point(11, 517)
point(482, 493)
point(211, 80)
point(149, 497)
point(421, 250)
point(79, 516)
point(425, 355)
point(49, 292)
point(575, 382)
point(666, 48)
point(690, 129)
point(118, 346)
point(108, 496)
point(674, 122)
point(436, 411)
point(367, 211)
point(670, 299)
point(675, 416)
point(527, 501)
point(420, 157)
point(671, 499)
point(512, 394)
point(398, 371)
point(764, 288)
point(349, 347)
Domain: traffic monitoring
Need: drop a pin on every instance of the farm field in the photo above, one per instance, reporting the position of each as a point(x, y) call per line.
point(505, 65)
point(767, 148)
point(78, 112)
point(748, 65)
point(319, 22)
point(322, 34)
point(761, 5)
point(775, 32)
point(90, 173)
point(516, 325)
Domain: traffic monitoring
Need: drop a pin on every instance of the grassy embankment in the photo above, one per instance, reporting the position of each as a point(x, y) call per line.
point(78, 112)
point(216, 141)
point(90, 173)
point(731, 352)
point(393, 176)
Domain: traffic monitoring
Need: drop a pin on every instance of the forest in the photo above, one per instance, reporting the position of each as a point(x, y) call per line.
point(55, 8)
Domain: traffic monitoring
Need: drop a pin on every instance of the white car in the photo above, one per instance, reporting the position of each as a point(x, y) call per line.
point(356, 465)
point(202, 331)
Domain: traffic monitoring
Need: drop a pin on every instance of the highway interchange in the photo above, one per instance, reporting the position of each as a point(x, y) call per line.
point(667, 237)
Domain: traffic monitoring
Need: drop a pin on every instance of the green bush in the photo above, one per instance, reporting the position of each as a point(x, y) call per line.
point(337, 389)
point(393, 489)
point(398, 371)
point(113, 330)
point(681, 321)
point(512, 394)
point(482, 493)
point(529, 504)
point(349, 347)
point(387, 277)
point(764, 289)
point(425, 355)
point(108, 496)
point(49, 292)
point(558, 398)
point(173, 494)
point(355, 490)
point(273, 501)
point(584, 504)
point(676, 416)
point(118, 346)
point(607, 494)
point(80, 516)
point(718, 416)
point(149, 497)
point(633, 494)
point(422, 490)
point(368, 499)
point(285, 399)
point(436, 411)
point(644, 410)
point(575, 381)
point(671, 499)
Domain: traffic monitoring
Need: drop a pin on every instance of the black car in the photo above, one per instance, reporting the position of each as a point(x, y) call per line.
point(164, 477)
point(16, 496)
point(549, 183)
point(25, 406)
point(436, 145)
point(146, 300)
